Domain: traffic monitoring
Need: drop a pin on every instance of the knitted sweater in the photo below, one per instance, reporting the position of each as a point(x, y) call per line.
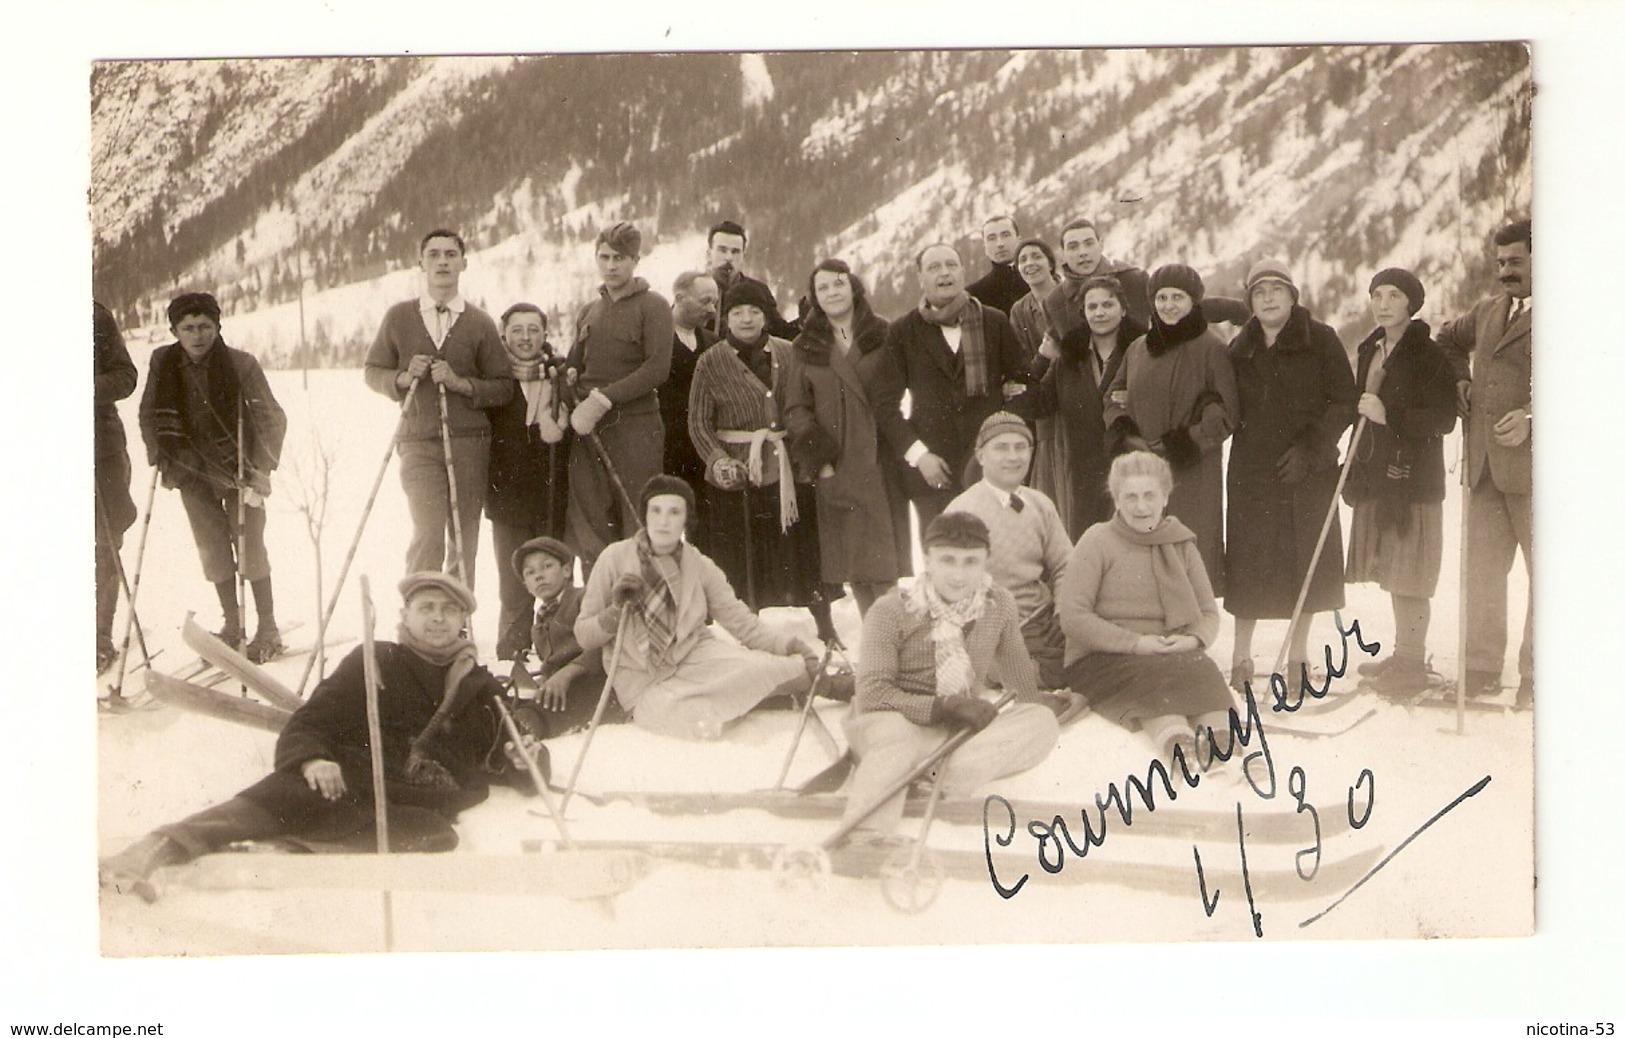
point(473, 348)
point(725, 394)
point(623, 347)
point(898, 667)
point(1029, 548)
point(1108, 595)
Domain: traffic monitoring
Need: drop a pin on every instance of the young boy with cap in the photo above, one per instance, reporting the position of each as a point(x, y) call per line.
point(214, 431)
point(571, 678)
point(1028, 542)
point(927, 654)
point(439, 737)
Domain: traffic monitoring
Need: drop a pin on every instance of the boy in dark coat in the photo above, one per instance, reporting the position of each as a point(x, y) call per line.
point(115, 379)
point(571, 678)
point(438, 732)
point(214, 432)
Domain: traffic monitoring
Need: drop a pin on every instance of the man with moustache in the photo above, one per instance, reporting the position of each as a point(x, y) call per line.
point(959, 361)
point(725, 246)
point(1002, 286)
point(1490, 350)
point(694, 300)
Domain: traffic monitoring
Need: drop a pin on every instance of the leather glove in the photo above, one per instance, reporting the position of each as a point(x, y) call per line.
point(589, 412)
point(964, 712)
point(629, 590)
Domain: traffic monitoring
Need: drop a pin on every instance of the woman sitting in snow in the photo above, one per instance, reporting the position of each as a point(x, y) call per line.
point(671, 672)
point(1138, 612)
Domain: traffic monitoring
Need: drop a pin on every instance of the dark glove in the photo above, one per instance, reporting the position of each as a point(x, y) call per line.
point(963, 712)
point(1124, 436)
point(1294, 464)
point(629, 590)
point(1180, 449)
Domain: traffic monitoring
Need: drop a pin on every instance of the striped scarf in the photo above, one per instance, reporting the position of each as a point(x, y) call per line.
point(966, 313)
point(949, 621)
point(661, 575)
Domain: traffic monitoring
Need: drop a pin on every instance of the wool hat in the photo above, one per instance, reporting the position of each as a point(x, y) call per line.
point(956, 530)
point(1177, 275)
point(545, 546)
point(193, 303)
point(623, 237)
point(997, 424)
point(659, 484)
point(1270, 270)
point(1403, 280)
point(412, 583)
point(750, 293)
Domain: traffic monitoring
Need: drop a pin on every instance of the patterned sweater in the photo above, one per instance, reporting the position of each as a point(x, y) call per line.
point(1029, 548)
point(473, 348)
point(726, 394)
point(898, 667)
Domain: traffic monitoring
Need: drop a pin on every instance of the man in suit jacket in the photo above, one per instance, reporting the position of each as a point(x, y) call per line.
point(1494, 395)
point(694, 302)
point(959, 361)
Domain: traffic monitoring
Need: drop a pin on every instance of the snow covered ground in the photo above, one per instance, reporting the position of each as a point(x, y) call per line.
point(1470, 874)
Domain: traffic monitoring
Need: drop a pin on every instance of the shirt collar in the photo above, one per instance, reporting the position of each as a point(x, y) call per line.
point(1003, 496)
point(428, 306)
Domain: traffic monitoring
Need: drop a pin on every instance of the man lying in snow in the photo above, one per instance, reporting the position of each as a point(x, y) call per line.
point(440, 735)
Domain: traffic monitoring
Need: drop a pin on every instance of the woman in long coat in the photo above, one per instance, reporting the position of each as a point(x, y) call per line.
point(1297, 397)
point(1070, 404)
point(1396, 474)
point(525, 493)
point(1175, 394)
point(764, 527)
point(829, 386)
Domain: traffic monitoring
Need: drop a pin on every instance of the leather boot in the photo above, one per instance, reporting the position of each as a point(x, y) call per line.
point(130, 870)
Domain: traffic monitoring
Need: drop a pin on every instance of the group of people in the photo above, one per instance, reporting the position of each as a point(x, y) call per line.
point(1062, 448)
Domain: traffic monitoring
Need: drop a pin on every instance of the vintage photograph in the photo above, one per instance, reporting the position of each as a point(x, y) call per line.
point(816, 498)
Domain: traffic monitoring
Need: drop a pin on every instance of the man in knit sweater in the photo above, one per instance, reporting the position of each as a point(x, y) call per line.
point(440, 344)
point(927, 653)
point(1001, 286)
point(1029, 545)
point(621, 356)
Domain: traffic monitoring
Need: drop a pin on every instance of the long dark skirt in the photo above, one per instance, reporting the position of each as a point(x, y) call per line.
point(1128, 689)
point(782, 567)
point(1270, 531)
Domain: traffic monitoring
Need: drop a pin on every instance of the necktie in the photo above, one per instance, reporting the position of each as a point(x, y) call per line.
point(1016, 504)
point(1519, 306)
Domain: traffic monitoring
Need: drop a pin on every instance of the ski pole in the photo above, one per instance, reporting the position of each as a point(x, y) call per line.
point(905, 885)
point(925, 764)
point(355, 542)
point(134, 582)
point(1374, 384)
point(535, 772)
point(1461, 580)
point(615, 479)
point(242, 541)
point(750, 559)
point(801, 725)
point(375, 744)
point(598, 711)
point(451, 486)
point(129, 594)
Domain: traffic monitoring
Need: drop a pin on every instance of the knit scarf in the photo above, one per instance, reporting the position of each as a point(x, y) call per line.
point(662, 575)
point(458, 658)
point(528, 369)
point(1163, 337)
point(1180, 609)
point(949, 621)
point(966, 313)
point(177, 439)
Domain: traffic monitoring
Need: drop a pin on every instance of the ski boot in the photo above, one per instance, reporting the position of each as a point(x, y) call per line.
point(267, 644)
point(130, 871)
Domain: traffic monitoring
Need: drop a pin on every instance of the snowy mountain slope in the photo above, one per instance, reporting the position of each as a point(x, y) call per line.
point(1338, 159)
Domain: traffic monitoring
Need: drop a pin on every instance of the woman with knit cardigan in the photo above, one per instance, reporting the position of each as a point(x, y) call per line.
point(1138, 614)
point(1175, 395)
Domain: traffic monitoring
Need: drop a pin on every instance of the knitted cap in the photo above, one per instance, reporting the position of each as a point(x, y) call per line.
point(659, 484)
point(189, 303)
point(956, 530)
point(623, 237)
point(412, 583)
point(545, 546)
point(1177, 275)
point(751, 293)
point(997, 424)
point(1403, 280)
point(1270, 270)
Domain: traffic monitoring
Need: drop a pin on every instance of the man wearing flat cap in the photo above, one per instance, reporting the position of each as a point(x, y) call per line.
point(438, 731)
point(571, 679)
point(621, 355)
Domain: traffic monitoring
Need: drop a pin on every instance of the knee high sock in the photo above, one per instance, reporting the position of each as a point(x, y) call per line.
point(226, 591)
point(1411, 616)
point(264, 607)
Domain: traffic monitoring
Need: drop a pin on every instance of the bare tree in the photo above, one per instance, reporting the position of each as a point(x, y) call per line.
point(314, 479)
